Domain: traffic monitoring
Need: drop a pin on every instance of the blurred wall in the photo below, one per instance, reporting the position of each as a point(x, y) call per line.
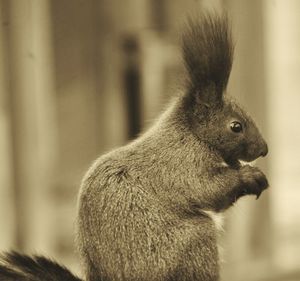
point(282, 57)
point(78, 78)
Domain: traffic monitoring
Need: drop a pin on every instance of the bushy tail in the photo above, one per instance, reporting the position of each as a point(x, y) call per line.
point(18, 267)
point(208, 51)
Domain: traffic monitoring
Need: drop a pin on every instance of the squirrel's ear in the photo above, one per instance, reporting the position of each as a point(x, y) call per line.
point(207, 50)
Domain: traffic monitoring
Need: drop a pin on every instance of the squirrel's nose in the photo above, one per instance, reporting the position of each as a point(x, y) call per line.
point(264, 150)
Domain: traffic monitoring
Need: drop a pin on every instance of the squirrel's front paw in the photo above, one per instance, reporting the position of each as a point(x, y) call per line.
point(253, 181)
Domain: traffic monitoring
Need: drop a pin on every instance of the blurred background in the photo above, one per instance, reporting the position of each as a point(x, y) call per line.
point(80, 77)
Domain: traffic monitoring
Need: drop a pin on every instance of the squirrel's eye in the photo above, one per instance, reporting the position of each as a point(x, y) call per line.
point(236, 127)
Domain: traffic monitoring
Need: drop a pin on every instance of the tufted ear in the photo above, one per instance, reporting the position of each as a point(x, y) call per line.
point(208, 53)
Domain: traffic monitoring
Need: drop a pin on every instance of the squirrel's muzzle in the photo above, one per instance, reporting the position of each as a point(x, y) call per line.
point(254, 150)
point(264, 150)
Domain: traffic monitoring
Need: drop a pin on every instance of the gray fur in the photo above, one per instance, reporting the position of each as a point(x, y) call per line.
point(141, 207)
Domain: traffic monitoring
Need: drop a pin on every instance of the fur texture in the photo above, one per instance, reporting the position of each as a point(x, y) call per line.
point(18, 267)
point(208, 51)
point(142, 212)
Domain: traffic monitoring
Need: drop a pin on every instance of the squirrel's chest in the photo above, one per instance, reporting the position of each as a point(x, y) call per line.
point(217, 218)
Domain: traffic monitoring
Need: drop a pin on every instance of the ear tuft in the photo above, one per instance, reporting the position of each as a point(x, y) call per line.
point(208, 54)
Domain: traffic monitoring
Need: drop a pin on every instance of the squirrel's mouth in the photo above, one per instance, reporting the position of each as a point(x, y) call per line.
point(233, 163)
point(236, 163)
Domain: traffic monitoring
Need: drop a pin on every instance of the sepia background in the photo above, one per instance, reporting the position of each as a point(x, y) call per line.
point(80, 77)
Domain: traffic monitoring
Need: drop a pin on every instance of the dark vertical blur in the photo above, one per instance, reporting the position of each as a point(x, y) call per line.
point(158, 15)
point(132, 85)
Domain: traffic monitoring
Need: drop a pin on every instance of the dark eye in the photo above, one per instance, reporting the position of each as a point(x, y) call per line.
point(236, 127)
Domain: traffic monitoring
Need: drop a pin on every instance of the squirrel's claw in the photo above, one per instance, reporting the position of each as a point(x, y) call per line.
point(258, 194)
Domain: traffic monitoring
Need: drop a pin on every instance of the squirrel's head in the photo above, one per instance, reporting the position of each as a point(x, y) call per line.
point(225, 127)
point(215, 119)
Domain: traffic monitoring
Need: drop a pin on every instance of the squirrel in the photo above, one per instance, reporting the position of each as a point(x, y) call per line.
point(144, 209)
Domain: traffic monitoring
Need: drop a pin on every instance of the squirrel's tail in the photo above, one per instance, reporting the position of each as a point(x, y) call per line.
point(208, 51)
point(18, 267)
